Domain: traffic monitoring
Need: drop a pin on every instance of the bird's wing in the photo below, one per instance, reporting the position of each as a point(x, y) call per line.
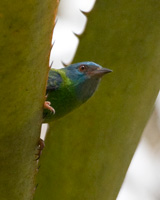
point(54, 80)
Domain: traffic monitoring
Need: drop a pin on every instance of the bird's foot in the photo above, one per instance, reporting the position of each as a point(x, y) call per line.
point(48, 107)
point(41, 146)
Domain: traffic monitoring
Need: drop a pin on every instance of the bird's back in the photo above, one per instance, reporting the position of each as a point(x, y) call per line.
point(54, 80)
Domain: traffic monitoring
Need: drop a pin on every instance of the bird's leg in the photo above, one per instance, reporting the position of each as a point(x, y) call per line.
point(41, 145)
point(48, 107)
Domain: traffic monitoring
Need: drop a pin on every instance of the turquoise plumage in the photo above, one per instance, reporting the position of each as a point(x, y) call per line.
point(69, 87)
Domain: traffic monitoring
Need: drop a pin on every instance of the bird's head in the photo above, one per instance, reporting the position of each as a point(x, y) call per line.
point(85, 77)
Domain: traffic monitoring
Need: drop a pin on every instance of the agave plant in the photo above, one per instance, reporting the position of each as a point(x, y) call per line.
point(87, 152)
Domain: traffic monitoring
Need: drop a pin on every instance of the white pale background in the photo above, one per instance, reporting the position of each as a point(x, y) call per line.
point(142, 181)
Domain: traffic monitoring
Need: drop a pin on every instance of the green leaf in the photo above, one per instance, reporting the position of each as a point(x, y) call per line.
point(25, 43)
point(88, 152)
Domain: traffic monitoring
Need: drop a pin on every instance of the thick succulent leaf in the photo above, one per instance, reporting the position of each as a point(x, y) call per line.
point(25, 42)
point(88, 152)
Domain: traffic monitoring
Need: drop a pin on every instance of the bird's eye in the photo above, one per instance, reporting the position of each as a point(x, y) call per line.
point(82, 68)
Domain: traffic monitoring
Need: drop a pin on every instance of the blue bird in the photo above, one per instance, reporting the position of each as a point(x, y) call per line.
point(69, 87)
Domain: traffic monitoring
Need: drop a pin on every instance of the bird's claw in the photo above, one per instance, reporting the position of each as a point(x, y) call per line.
point(48, 107)
point(41, 145)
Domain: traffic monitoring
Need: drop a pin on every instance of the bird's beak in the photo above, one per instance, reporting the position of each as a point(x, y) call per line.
point(100, 72)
